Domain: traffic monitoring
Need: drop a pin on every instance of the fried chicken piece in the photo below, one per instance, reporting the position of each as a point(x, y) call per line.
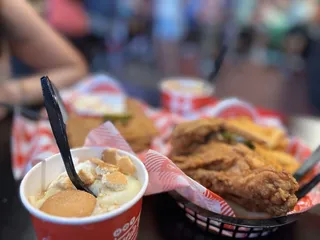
point(279, 159)
point(211, 156)
point(190, 136)
point(240, 174)
point(262, 189)
point(217, 156)
point(138, 131)
point(78, 127)
point(271, 137)
point(187, 136)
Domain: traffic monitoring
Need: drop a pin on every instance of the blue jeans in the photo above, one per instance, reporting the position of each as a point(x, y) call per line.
point(19, 69)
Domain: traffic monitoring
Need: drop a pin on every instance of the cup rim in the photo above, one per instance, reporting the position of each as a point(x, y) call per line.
point(85, 220)
point(189, 79)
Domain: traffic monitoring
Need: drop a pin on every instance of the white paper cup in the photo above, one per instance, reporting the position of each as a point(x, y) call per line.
point(121, 223)
point(184, 95)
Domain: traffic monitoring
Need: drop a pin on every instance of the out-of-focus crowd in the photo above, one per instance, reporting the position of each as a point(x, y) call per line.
point(169, 37)
point(262, 30)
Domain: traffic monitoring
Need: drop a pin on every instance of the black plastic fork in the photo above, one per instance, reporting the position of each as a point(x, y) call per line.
point(310, 163)
point(57, 118)
point(305, 189)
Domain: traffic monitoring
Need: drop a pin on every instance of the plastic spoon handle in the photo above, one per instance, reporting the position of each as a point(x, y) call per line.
point(308, 165)
point(304, 190)
point(52, 102)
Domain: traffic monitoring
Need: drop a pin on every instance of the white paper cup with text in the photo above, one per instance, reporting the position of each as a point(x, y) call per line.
point(184, 95)
point(121, 223)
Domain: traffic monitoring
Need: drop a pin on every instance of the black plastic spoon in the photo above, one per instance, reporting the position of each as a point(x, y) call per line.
point(305, 189)
point(57, 118)
point(307, 165)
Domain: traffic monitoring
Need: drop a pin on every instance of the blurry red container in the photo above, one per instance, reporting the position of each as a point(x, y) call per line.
point(183, 95)
point(122, 223)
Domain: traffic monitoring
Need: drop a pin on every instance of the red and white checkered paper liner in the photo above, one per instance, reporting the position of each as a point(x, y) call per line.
point(163, 174)
point(33, 141)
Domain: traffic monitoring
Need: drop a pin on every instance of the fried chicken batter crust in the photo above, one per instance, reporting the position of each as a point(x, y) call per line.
point(186, 137)
point(236, 172)
point(139, 131)
point(269, 142)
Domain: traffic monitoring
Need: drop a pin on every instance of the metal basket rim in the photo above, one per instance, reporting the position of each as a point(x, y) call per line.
point(240, 222)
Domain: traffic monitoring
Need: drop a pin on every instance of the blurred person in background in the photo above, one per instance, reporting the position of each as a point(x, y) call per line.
point(84, 22)
point(108, 24)
point(102, 29)
point(97, 28)
point(283, 23)
point(184, 31)
point(25, 35)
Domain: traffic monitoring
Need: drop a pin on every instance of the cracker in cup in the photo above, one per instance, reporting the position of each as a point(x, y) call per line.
point(70, 203)
point(113, 184)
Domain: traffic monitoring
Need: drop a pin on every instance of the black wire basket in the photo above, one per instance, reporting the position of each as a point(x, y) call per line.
point(230, 226)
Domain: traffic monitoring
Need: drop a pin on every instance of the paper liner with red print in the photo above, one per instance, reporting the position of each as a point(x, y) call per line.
point(227, 108)
point(107, 135)
point(164, 176)
point(33, 141)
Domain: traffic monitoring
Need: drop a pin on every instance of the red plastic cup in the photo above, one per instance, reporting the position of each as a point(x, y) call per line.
point(183, 95)
point(122, 223)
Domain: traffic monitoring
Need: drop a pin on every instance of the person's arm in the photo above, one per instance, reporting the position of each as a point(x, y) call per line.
point(37, 45)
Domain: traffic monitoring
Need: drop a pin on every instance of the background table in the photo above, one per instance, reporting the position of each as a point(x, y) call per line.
point(161, 218)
